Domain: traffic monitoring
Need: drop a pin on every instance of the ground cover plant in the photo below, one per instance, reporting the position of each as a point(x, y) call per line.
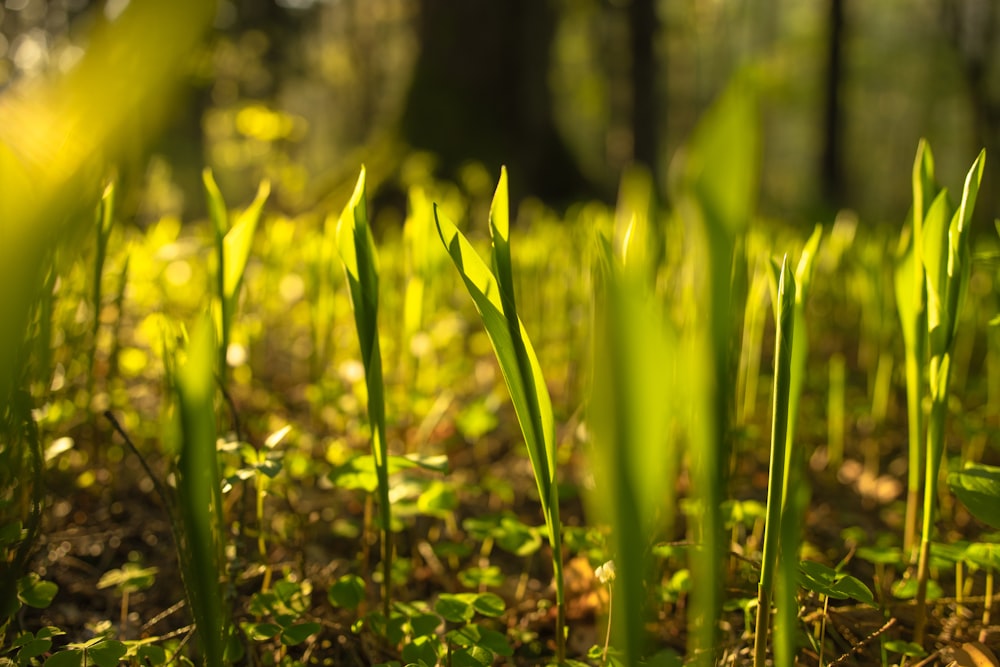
point(299, 440)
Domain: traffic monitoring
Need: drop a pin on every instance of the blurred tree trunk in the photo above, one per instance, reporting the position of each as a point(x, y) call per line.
point(645, 108)
point(832, 159)
point(480, 92)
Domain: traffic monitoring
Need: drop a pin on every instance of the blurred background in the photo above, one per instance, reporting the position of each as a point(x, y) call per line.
point(566, 93)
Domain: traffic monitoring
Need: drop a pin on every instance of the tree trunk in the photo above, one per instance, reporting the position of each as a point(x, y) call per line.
point(645, 108)
point(480, 92)
point(832, 159)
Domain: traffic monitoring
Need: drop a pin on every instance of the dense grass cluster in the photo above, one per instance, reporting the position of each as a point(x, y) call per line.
point(278, 363)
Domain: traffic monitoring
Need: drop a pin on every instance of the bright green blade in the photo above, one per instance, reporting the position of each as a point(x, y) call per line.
point(357, 252)
point(959, 259)
point(535, 394)
point(356, 247)
point(936, 254)
point(910, 296)
point(524, 380)
point(795, 494)
point(239, 240)
point(199, 491)
point(216, 204)
point(925, 188)
point(494, 299)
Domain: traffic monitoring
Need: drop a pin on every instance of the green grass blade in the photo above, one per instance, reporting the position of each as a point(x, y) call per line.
point(357, 252)
point(493, 296)
point(635, 401)
point(925, 190)
point(220, 223)
point(216, 204)
point(537, 406)
point(795, 494)
point(232, 252)
point(911, 299)
point(785, 322)
point(522, 380)
point(959, 260)
point(199, 492)
point(239, 240)
point(936, 260)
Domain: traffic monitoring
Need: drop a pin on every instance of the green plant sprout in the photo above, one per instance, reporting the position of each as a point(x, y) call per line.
point(493, 294)
point(357, 253)
point(260, 465)
point(944, 252)
point(911, 302)
point(199, 491)
point(232, 252)
point(132, 577)
point(280, 614)
point(785, 323)
point(795, 493)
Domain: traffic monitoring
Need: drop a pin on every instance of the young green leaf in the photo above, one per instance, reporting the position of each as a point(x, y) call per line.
point(493, 295)
point(456, 607)
point(824, 580)
point(347, 592)
point(36, 592)
point(978, 487)
point(239, 239)
point(297, 633)
point(357, 253)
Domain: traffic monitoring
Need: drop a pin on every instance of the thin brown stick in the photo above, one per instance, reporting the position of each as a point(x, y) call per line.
point(864, 642)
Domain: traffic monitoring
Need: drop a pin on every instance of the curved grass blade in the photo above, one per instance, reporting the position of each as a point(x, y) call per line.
point(357, 253)
point(199, 493)
point(494, 299)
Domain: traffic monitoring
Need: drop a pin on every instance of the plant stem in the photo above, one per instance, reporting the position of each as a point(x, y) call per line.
point(914, 419)
point(261, 543)
point(607, 635)
point(935, 448)
point(779, 434)
point(987, 604)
